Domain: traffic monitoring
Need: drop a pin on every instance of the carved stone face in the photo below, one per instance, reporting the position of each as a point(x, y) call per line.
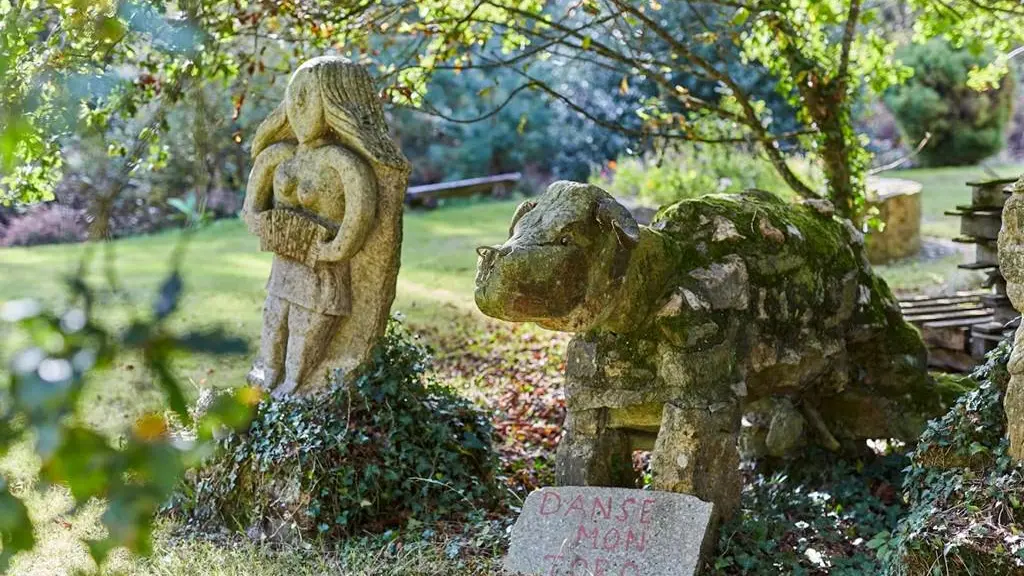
point(305, 107)
point(566, 254)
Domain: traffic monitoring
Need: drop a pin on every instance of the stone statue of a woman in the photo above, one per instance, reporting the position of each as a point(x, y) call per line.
point(325, 195)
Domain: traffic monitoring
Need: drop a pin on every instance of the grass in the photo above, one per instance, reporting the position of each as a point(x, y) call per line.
point(945, 188)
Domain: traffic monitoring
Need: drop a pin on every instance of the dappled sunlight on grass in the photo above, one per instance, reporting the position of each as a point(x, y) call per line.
point(225, 275)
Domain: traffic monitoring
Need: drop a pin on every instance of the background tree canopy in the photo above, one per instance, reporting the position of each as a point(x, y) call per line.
point(963, 125)
point(781, 74)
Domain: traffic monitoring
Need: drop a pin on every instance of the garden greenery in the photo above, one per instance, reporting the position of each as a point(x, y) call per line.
point(816, 515)
point(390, 448)
point(965, 125)
point(965, 494)
point(70, 66)
point(690, 170)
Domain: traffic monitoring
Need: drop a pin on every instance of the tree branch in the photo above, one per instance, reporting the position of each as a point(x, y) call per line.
point(853, 16)
point(770, 146)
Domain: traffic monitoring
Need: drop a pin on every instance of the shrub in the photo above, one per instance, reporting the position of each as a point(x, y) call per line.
point(964, 493)
point(966, 125)
point(390, 447)
point(45, 224)
point(691, 170)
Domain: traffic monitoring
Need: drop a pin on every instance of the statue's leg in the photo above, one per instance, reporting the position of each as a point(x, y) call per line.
point(696, 453)
point(309, 333)
point(591, 454)
point(273, 342)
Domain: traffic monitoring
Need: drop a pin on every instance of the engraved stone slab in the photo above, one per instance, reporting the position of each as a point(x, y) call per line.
point(592, 531)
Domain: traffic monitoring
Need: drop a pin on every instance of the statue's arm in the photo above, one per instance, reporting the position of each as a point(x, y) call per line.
point(259, 192)
point(360, 215)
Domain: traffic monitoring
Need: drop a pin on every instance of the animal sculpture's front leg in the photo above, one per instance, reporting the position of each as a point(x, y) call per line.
point(696, 453)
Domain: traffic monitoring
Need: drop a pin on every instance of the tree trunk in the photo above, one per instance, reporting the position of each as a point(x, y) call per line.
point(843, 159)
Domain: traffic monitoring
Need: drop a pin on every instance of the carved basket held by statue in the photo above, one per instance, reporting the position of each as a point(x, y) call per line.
point(293, 234)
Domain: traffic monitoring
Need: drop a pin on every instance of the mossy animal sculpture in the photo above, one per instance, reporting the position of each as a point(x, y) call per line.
point(728, 309)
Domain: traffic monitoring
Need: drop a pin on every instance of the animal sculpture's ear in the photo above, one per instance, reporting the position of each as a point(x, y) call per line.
point(611, 213)
point(521, 211)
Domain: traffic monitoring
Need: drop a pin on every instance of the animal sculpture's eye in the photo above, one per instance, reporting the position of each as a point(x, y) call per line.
point(565, 240)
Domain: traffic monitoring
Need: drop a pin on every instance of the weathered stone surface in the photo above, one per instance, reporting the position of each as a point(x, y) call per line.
point(1011, 266)
point(724, 282)
point(773, 427)
point(325, 196)
point(684, 327)
point(609, 531)
point(725, 230)
point(898, 202)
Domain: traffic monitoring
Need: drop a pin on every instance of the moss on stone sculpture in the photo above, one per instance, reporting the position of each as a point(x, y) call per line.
point(727, 307)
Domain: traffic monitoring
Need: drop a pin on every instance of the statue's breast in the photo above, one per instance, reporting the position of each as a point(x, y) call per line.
point(286, 185)
point(309, 181)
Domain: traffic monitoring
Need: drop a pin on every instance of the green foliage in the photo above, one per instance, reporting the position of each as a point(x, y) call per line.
point(963, 490)
point(691, 170)
point(697, 71)
point(966, 125)
point(976, 25)
point(134, 474)
point(58, 66)
point(823, 55)
point(390, 449)
point(817, 515)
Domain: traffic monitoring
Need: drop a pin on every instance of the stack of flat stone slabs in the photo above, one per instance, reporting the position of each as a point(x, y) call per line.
point(979, 225)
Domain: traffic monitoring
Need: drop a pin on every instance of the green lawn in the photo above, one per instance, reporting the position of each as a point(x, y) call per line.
point(945, 188)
